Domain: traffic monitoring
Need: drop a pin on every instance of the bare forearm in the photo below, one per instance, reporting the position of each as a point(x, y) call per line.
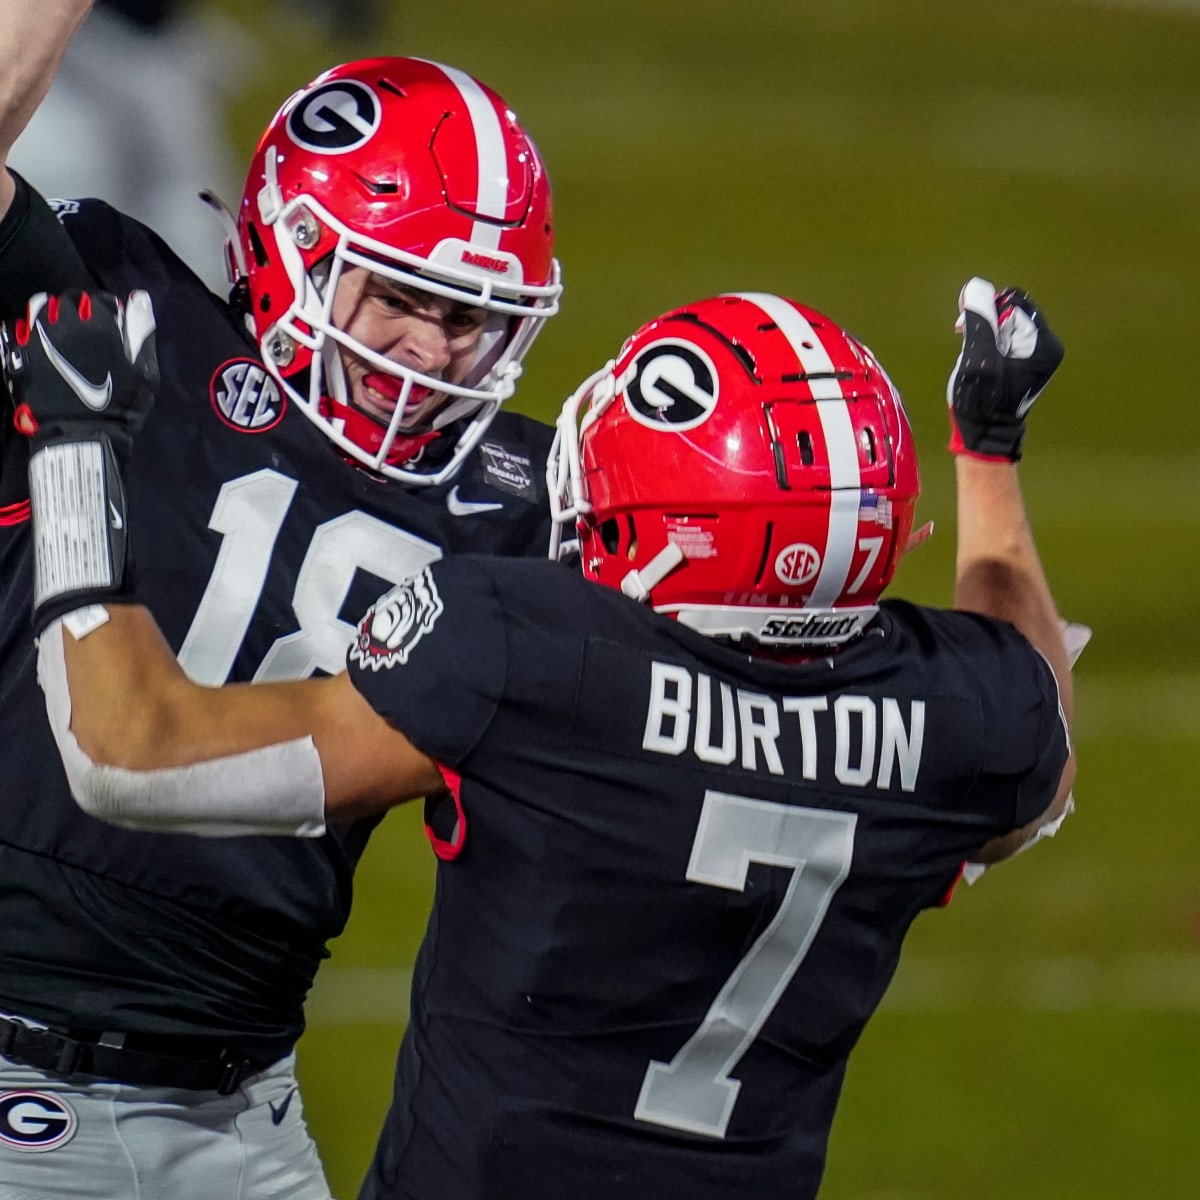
point(129, 697)
point(998, 571)
point(35, 37)
point(133, 707)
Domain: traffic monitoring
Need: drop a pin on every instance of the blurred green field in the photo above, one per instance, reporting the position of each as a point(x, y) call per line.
point(867, 157)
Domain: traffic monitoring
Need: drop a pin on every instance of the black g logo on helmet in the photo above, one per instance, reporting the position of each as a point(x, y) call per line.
point(672, 385)
point(335, 117)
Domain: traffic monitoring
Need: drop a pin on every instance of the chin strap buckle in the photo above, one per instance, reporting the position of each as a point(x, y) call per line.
point(638, 585)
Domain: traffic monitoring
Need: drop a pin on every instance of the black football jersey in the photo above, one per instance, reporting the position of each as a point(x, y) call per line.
point(258, 546)
point(679, 876)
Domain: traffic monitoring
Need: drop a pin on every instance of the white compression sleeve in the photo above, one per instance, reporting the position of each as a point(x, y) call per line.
point(277, 790)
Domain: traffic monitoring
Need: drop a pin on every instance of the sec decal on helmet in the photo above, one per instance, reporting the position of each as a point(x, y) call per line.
point(422, 175)
point(745, 465)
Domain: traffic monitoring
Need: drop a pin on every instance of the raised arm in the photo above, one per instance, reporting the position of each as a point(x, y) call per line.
point(1009, 354)
point(142, 744)
point(35, 37)
point(152, 749)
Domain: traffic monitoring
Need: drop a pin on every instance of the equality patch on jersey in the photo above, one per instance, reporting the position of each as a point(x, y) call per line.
point(397, 622)
point(335, 118)
point(508, 470)
point(35, 1122)
point(797, 564)
point(246, 396)
point(671, 384)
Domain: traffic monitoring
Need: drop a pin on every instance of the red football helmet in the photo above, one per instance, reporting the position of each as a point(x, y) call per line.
point(743, 464)
point(421, 174)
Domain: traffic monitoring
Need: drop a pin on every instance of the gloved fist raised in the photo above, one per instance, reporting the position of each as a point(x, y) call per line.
point(1008, 355)
point(82, 371)
point(82, 367)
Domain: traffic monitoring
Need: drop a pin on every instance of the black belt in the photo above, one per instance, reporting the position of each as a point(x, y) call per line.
point(213, 1069)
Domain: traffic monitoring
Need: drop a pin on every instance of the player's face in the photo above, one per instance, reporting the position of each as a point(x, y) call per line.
point(427, 333)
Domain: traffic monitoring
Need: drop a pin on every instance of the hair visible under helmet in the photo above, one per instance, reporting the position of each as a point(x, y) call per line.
point(422, 175)
point(743, 464)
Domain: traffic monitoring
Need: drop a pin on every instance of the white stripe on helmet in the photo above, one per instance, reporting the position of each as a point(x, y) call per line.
point(844, 476)
point(492, 165)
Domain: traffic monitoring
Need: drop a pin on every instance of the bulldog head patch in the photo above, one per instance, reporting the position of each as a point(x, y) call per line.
point(397, 622)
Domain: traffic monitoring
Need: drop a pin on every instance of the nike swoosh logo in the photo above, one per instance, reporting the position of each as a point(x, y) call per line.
point(95, 395)
point(277, 1114)
point(1025, 405)
point(464, 508)
point(115, 517)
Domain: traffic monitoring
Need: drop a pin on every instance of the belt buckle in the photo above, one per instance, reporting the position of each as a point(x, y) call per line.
point(48, 1050)
point(232, 1074)
point(70, 1055)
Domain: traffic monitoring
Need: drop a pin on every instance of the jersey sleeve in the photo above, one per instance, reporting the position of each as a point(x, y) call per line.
point(36, 255)
point(430, 657)
point(36, 252)
point(1039, 785)
point(1027, 744)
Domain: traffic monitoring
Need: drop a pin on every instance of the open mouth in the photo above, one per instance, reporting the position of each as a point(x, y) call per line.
point(384, 392)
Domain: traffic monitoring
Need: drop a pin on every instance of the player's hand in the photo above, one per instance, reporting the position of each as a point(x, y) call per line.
point(1008, 355)
point(82, 366)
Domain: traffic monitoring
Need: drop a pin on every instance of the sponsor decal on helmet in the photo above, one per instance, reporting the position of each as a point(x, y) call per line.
point(35, 1122)
point(488, 262)
point(395, 624)
point(813, 627)
point(335, 117)
point(797, 564)
point(671, 384)
point(694, 540)
point(246, 396)
point(507, 469)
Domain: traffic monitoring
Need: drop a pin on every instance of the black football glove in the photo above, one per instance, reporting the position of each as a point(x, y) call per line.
point(1008, 355)
point(82, 371)
point(82, 366)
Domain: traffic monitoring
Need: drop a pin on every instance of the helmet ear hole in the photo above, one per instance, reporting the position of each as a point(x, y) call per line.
point(610, 535)
point(618, 540)
point(259, 251)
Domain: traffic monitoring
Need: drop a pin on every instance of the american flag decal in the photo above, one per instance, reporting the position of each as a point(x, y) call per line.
point(875, 508)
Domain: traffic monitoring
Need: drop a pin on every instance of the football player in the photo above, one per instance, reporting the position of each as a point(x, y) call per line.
point(334, 428)
point(695, 809)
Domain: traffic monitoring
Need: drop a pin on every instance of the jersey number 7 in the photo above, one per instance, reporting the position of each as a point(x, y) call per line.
point(694, 1091)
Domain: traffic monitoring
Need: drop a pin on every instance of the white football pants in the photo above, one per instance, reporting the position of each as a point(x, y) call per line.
point(110, 1141)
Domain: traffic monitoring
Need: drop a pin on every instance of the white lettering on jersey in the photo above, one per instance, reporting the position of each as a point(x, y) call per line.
point(859, 741)
point(760, 727)
point(705, 750)
point(805, 707)
point(670, 708)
